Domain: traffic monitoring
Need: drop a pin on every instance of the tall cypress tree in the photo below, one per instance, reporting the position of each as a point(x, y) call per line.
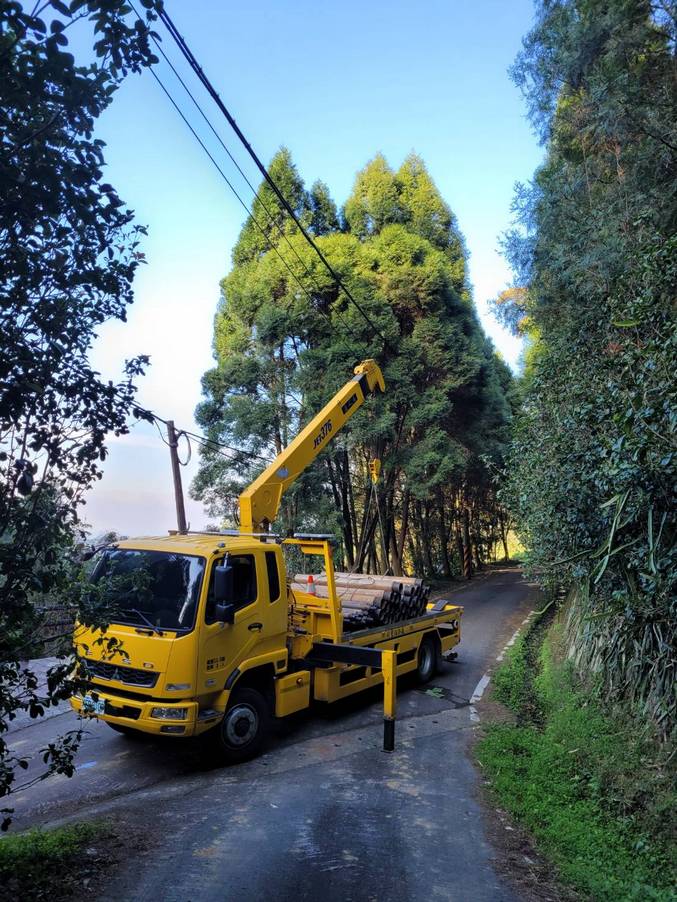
point(268, 217)
point(282, 350)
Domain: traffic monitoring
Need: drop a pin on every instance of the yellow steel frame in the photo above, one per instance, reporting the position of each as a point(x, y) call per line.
point(314, 617)
point(399, 639)
point(389, 659)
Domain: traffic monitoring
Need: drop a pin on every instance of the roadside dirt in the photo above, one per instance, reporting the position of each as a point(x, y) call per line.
point(85, 873)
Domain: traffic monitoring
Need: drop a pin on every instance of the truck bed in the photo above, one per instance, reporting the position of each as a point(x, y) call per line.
point(335, 677)
point(382, 633)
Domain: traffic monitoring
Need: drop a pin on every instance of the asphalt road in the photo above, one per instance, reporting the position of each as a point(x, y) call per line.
point(324, 814)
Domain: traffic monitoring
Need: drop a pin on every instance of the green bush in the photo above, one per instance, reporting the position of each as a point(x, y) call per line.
point(511, 683)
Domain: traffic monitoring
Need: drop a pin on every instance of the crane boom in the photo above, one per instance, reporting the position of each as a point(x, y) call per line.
point(260, 502)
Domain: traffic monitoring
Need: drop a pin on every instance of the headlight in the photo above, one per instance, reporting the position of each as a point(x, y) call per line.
point(177, 687)
point(169, 713)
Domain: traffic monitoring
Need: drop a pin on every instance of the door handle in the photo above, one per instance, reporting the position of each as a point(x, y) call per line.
point(255, 627)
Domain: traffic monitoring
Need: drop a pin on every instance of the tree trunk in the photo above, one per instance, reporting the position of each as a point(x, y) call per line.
point(405, 525)
point(504, 535)
point(442, 532)
point(396, 563)
point(341, 503)
point(467, 547)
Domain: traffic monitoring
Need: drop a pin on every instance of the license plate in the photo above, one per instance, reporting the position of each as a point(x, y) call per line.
point(92, 705)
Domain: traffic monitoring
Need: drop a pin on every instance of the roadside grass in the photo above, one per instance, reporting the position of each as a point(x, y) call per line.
point(51, 864)
point(585, 782)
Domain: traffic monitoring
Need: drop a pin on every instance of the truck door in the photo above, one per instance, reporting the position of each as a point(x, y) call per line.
point(223, 646)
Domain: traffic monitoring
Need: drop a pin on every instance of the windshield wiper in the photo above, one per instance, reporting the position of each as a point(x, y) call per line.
point(143, 617)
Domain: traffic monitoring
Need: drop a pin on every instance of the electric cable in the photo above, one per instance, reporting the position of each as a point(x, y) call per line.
point(258, 225)
point(197, 69)
point(183, 463)
point(151, 415)
point(201, 439)
point(225, 147)
point(208, 441)
point(222, 173)
point(257, 195)
point(155, 423)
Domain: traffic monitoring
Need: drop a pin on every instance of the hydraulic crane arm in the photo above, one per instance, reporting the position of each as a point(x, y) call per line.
point(260, 502)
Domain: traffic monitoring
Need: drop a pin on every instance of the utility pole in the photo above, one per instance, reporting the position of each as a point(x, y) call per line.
point(176, 475)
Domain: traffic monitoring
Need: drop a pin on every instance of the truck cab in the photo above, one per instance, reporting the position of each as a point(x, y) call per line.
point(178, 647)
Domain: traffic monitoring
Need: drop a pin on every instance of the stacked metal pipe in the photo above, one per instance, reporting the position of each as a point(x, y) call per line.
point(368, 600)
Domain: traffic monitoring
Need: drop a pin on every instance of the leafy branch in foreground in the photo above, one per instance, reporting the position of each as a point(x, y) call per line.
point(69, 250)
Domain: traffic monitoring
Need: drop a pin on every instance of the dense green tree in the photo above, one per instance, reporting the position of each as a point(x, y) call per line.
point(429, 216)
point(68, 254)
point(375, 199)
point(594, 461)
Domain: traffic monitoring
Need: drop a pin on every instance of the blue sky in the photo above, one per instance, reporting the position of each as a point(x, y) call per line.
point(336, 83)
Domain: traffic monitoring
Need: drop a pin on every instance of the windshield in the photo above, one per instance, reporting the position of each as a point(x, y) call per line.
point(154, 589)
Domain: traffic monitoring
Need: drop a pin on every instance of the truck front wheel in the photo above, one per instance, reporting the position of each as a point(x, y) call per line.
point(242, 733)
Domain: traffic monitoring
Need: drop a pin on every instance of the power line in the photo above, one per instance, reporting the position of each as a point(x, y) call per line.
point(210, 441)
point(218, 137)
point(225, 177)
point(197, 69)
point(257, 195)
point(203, 440)
point(258, 225)
point(149, 414)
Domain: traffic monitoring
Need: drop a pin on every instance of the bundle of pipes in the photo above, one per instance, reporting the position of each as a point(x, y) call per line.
point(368, 600)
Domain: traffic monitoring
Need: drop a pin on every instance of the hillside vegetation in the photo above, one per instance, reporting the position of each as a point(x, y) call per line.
point(585, 765)
point(592, 471)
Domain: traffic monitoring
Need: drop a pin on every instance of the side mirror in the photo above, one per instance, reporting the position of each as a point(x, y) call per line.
point(224, 584)
point(224, 613)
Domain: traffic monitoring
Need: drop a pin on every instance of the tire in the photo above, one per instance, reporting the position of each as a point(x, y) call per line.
point(243, 732)
point(439, 660)
point(427, 660)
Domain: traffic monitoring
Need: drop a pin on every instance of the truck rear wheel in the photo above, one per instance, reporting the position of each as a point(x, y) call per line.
point(243, 732)
point(427, 660)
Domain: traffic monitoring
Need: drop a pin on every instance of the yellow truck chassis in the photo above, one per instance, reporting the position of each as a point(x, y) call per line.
point(317, 662)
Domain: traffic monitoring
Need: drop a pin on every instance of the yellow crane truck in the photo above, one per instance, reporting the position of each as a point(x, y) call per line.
point(220, 642)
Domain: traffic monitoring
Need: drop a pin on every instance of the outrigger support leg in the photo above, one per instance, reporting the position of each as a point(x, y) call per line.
point(366, 656)
point(389, 665)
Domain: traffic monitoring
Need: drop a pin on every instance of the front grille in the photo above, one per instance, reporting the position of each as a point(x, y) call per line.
point(130, 676)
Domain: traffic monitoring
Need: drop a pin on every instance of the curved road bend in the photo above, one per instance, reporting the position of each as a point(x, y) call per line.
point(324, 814)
